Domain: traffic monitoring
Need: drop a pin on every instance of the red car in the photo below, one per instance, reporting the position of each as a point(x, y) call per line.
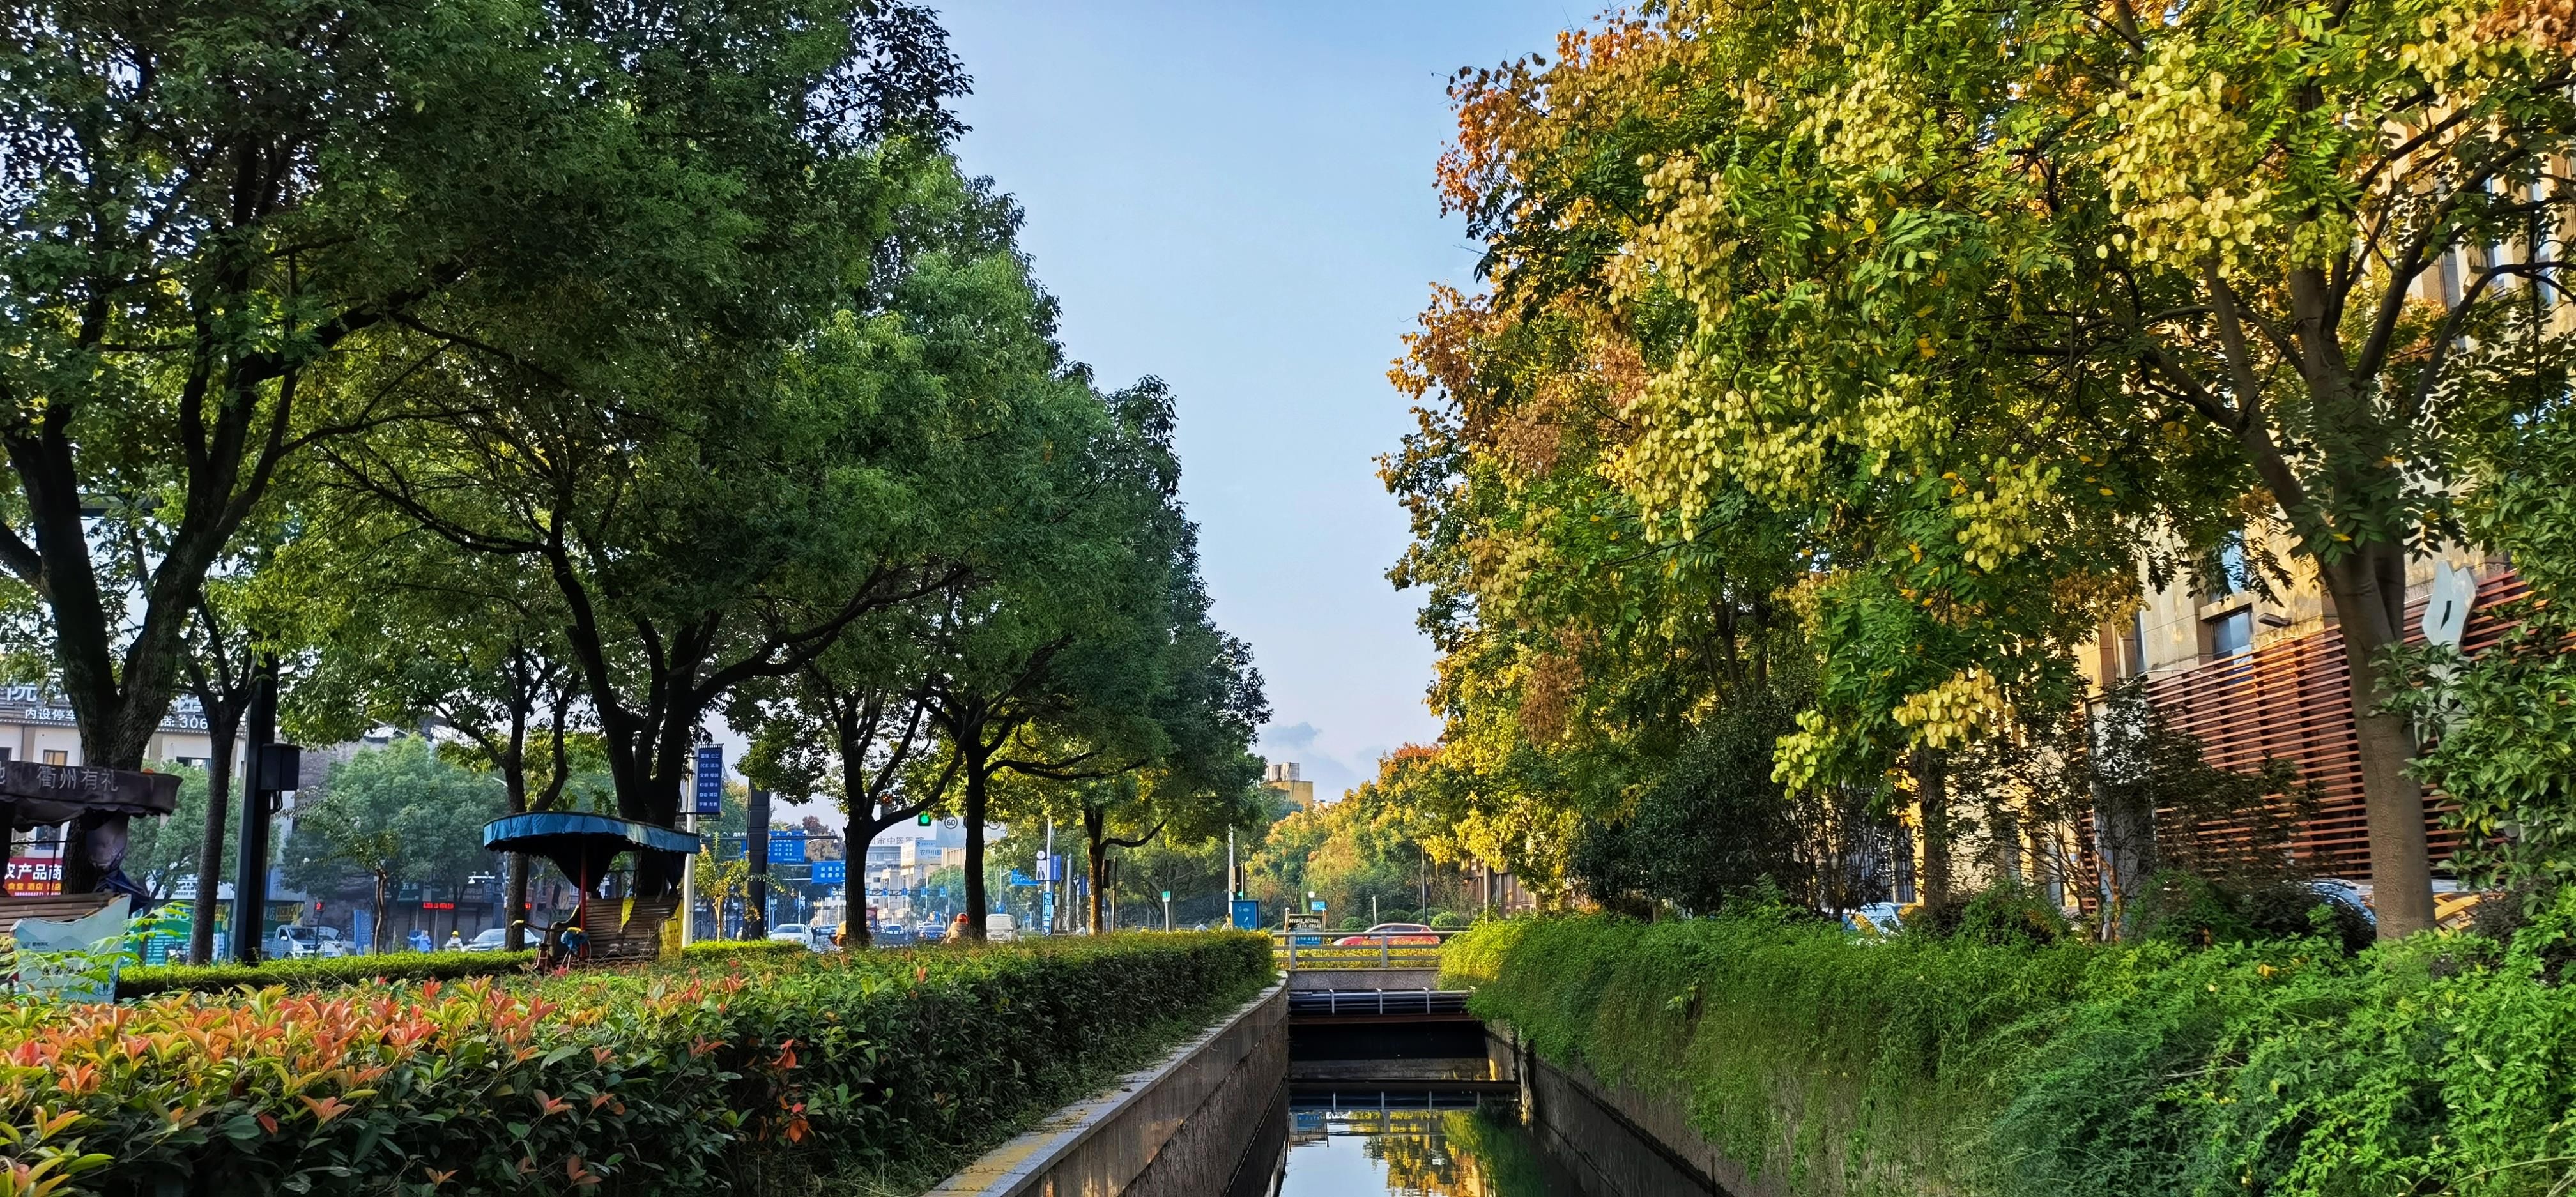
point(1392, 933)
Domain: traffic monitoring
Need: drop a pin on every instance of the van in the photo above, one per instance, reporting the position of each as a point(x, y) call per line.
point(998, 928)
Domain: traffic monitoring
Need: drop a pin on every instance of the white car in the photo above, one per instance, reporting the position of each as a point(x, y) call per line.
point(796, 933)
point(295, 942)
point(998, 928)
point(489, 939)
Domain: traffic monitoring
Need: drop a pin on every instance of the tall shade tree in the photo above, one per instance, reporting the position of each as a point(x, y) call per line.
point(1079, 654)
point(396, 627)
point(394, 815)
point(2013, 287)
point(219, 215)
point(854, 724)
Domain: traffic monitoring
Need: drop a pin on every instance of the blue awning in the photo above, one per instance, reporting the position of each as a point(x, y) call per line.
point(585, 846)
point(551, 830)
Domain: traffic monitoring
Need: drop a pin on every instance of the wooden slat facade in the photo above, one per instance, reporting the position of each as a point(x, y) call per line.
point(2291, 699)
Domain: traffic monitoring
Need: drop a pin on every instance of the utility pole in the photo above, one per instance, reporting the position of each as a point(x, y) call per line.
point(270, 769)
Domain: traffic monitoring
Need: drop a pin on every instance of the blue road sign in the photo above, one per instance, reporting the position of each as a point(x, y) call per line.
point(831, 872)
point(1022, 879)
point(1247, 914)
point(710, 793)
point(786, 848)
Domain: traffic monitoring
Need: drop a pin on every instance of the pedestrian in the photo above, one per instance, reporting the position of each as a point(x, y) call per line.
point(419, 940)
point(455, 940)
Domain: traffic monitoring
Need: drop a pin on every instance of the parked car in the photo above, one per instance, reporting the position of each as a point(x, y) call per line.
point(1390, 933)
point(488, 939)
point(998, 928)
point(795, 933)
point(295, 942)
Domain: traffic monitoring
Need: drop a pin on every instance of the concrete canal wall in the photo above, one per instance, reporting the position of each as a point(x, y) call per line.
point(1594, 1128)
point(1182, 1127)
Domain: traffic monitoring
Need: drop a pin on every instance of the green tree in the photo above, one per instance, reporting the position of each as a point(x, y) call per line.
point(400, 628)
point(738, 509)
point(396, 815)
point(231, 224)
point(2498, 724)
point(161, 852)
point(1084, 650)
point(1988, 294)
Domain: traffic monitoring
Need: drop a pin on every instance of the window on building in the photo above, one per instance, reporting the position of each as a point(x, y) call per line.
point(56, 756)
point(2229, 572)
point(2133, 649)
point(8, 754)
point(2231, 633)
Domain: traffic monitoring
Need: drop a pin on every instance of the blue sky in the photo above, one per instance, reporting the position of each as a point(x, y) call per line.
point(1238, 197)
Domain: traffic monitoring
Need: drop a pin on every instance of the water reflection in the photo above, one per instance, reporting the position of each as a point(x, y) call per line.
point(1417, 1144)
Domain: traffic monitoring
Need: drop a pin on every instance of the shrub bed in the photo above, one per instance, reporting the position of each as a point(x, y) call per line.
point(314, 972)
point(2445, 1064)
point(665, 1078)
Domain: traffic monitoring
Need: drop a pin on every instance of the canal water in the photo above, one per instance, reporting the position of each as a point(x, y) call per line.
point(1373, 1143)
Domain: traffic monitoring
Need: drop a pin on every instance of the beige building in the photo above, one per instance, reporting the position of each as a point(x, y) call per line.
point(1282, 778)
point(37, 726)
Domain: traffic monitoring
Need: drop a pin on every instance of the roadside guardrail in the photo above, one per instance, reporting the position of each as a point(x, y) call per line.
point(1358, 949)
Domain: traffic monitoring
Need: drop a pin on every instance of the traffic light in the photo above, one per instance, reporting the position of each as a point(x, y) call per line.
point(924, 819)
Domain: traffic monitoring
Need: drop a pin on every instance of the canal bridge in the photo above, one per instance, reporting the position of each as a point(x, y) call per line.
point(1373, 1013)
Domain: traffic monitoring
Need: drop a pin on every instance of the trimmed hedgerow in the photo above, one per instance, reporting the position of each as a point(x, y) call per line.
point(743, 947)
point(2444, 1064)
point(670, 1077)
point(313, 972)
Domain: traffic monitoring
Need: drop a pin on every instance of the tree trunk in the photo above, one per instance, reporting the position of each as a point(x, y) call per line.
point(856, 865)
point(977, 774)
point(380, 928)
point(223, 726)
point(2370, 603)
point(1094, 831)
point(1932, 793)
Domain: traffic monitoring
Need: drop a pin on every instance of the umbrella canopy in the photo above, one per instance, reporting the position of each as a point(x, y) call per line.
point(582, 845)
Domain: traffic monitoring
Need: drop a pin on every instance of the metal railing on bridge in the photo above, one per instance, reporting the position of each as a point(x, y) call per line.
point(1358, 949)
point(1377, 1001)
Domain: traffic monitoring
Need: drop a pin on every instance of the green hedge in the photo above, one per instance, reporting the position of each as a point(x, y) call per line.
point(2445, 1064)
point(313, 972)
point(744, 947)
point(682, 1076)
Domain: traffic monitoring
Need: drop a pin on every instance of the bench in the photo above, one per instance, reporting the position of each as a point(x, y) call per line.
point(638, 937)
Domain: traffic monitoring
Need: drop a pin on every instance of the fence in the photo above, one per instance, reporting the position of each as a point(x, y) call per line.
point(1357, 949)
